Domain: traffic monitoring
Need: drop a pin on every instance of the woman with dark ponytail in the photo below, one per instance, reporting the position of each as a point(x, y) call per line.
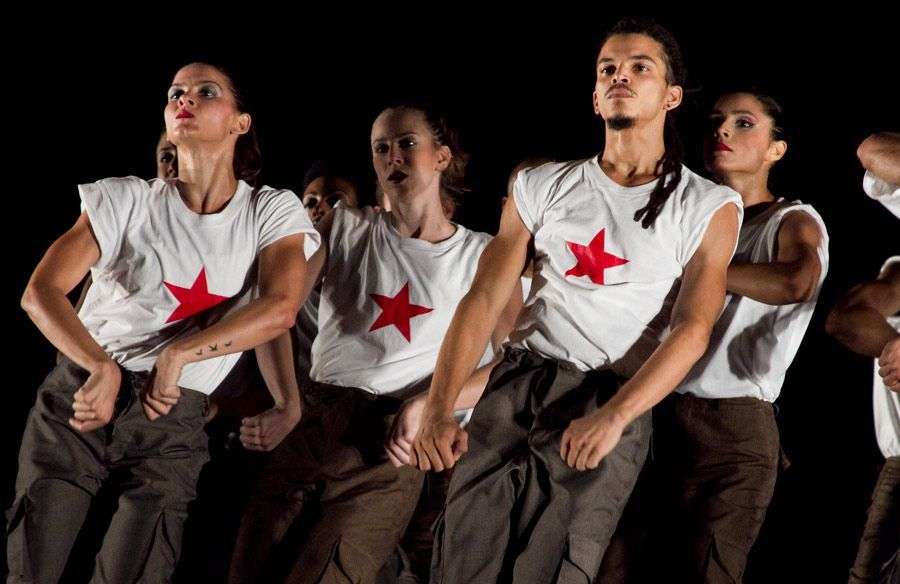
point(630, 251)
point(718, 454)
point(391, 281)
point(188, 270)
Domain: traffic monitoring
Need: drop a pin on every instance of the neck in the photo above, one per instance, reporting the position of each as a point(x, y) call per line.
point(420, 217)
point(631, 157)
point(206, 177)
point(752, 187)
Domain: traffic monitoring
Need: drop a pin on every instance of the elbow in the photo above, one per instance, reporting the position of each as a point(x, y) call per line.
point(864, 152)
point(286, 318)
point(869, 149)
point(284, 314)
point(30, 300)
point(798, 288)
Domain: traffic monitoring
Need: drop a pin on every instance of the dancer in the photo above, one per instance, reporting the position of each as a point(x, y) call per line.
point(630, 256)
point(717, 443)
point(391, 282)
point(174, 264)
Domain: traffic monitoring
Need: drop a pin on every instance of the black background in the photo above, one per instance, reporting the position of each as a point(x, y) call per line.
point(89, 105)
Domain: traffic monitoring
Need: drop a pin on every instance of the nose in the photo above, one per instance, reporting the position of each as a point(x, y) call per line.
point(395, 155)
point(621, 76)
point(721, 131)
point(186, 99)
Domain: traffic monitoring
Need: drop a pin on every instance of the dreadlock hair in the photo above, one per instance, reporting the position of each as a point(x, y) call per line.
point(670, 163)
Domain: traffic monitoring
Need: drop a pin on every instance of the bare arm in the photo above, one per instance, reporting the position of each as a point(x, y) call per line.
point(477, 315)
point(858, 320)
point(266, 430)
point(880, 155)
point(61, 269)
point(793, 276)
point(408, 420)
point(701, 297)
point(282, 267)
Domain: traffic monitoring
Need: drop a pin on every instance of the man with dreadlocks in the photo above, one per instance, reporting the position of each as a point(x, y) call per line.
point(630, 254)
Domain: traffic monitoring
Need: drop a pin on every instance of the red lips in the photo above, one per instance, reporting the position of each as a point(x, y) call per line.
point(184, 114)
point(722, 147)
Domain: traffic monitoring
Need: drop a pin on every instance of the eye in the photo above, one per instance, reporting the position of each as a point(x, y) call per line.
point(167, 157)
point(380, 148)
point(745, 123)
point(607, 70)
point(175, 93)
point(208, 91)
point(641, 68)
point(407, 143)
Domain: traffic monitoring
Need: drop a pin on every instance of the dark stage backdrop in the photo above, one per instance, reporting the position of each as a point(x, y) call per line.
point(89, 105)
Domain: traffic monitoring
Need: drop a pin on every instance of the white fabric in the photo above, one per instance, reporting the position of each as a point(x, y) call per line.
point(369, 266)
point(753, 343)
point(886, 403)
point(148, 285)
point(616, 317)
point(883, 192)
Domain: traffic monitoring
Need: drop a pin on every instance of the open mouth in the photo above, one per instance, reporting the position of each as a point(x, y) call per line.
point(397, 176)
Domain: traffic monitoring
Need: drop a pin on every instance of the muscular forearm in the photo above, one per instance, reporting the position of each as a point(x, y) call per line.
point(774, 283)
point(662, 372)
point(276, 363)
point(860, 328)
point(55, 317)
point(463, 346)
point(262, 320)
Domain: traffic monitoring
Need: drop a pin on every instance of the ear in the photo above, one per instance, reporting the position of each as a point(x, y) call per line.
point(596, 99)
point(242, 124)
point(443, 158)
point(776, 150)
point(674, 95)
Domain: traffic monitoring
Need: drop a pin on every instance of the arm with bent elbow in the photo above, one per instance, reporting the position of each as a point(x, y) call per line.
point(698, 305)
point(859, 321)
point(793, 276)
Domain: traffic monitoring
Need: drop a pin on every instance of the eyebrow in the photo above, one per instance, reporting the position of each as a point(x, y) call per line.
point(735, 112)
point(632, 57)
point(401, 135)
point(204, 82)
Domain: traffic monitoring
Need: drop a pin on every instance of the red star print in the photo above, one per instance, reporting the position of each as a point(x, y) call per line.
point(397, 311)
point(194, 299)
point(593, 259)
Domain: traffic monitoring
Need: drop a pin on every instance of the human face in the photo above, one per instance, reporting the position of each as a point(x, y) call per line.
point(324, 193)
point(166, 159)
point(405, 155)
point(631, 86)
point(740, 137)
point(201, 107)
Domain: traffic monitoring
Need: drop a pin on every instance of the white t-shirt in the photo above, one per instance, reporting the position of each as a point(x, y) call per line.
point(603, 286)
point(305, 330)
point(162, 267)
point(387, 302)
point(883, 192)
point(752, 343)
point(886, 403)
